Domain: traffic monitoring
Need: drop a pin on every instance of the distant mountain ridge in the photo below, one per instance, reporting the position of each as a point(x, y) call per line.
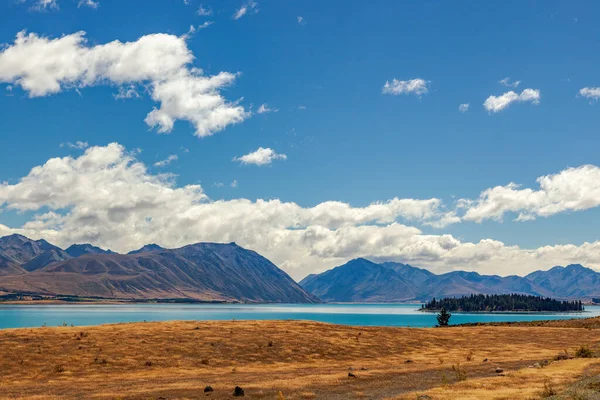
point(361, 280)
point(201, 271)
point(77, 250)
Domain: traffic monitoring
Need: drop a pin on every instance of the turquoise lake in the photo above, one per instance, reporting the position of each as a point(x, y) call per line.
point(16, 316)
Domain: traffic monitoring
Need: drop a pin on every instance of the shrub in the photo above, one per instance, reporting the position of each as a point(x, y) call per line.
point(562, 356)
point(584, 352)
point(460, 373)
point(549, 390)
point(470, 355)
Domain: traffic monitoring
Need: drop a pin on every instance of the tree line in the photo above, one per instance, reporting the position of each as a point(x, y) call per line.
point(502, 302)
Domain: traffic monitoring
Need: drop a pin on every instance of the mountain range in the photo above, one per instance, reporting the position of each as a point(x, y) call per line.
point(361, 280)
point(228, 272)
point(202, 271)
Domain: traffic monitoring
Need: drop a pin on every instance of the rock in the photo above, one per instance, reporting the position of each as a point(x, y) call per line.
point(351, 375)
point(208, 389)
point(424, 397)
point(238, 392)
point(485, 360)
point(499, 370)
point(363, 369)
point(408, 362)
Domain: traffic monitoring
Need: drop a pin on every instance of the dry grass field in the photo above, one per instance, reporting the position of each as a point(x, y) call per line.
point(299, 360)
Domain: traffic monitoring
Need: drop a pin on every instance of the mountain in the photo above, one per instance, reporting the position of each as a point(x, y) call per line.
point(574, 281)
point(77, 250)
point(19, 254)
point(147, 248)
point(361, 280)
point(202, 271)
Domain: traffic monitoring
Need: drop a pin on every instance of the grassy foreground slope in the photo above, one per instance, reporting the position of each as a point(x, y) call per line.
point(302, 360)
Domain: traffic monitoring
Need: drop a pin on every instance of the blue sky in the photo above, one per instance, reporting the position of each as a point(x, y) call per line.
point(344, 139)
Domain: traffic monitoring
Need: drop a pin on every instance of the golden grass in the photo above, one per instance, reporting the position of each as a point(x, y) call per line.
point(302, 360)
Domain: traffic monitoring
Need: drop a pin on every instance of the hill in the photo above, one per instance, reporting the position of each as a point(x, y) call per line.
point(202, 271)
point(361, 280)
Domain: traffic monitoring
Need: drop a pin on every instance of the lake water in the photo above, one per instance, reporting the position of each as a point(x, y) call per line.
point(16, 316)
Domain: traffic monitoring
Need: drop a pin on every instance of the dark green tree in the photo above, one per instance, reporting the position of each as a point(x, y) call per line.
point(443, 317)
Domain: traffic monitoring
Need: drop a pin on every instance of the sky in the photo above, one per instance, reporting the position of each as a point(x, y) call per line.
point(446, 135)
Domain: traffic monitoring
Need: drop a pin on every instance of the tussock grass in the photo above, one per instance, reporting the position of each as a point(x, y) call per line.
point(306, 360)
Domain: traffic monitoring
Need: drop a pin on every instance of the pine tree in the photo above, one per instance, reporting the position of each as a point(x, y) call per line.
point(443, 317)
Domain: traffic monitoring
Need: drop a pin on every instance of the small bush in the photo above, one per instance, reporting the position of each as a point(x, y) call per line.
point(470, 355)
point(204, 361)
point(549, 390)
point(59, 369)
point(460, 373)
point(584, 352)
point(562, 356)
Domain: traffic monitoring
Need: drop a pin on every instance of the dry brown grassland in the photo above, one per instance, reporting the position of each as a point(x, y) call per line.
point(300, 360)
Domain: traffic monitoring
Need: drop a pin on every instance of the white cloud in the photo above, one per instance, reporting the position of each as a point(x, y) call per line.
point(135, 207)
point(592, 93)
point(205, 12)
point(301, 107)
point(506, 82)
point(250, 6)
point(260, 157)
point(44, 66)
point(414, 86)
point(301, 20)
point(494, 104)
point(126, 92)
point(573, 189)
point(205, 25)
point(166, 161)
point(88, 3)
point(234, 183)
point(77, 145)
point(264, 108)
point(42, 5)
point(463, 108)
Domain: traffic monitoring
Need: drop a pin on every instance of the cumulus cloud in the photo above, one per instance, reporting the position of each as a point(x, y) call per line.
point(77, 145)
point(301, 20)
point(135, 207)
point(260, 157)
point(234, 183)
point(248, 7)
point(463, 108)
point(494, 104)
point(573, 189)
point(43, 66)
point(592, 93)
point(166, 161)
point(414, 86)
point(506, 82)
point(264, 108)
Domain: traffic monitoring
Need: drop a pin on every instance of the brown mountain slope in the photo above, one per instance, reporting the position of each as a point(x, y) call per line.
point(203, 271)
